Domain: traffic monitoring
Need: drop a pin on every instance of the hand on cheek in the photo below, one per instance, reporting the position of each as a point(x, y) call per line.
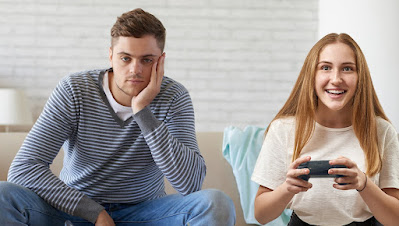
point(147, 95)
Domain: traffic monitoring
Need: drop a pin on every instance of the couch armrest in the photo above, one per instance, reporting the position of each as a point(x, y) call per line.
point(9, 146)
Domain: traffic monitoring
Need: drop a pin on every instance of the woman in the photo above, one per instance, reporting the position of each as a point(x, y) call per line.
point(333, 113)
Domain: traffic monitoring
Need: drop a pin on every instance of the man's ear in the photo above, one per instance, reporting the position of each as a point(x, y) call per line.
point(110, 56)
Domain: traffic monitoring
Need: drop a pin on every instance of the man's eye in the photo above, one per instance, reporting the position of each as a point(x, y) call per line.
point(325, 68)
point(125, 59)
point(147, 61)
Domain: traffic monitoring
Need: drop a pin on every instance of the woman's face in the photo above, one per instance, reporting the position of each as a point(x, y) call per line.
point(336, 78)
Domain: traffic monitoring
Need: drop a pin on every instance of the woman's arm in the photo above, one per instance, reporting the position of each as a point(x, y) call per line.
point(269, 204)
point(383, 203)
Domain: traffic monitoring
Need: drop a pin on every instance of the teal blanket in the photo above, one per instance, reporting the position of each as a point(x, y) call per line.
point(241, 149)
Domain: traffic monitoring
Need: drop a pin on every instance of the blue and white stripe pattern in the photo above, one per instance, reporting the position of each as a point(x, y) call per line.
point(108, 160)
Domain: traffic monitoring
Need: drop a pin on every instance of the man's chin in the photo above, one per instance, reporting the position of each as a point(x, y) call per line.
point(133, 93)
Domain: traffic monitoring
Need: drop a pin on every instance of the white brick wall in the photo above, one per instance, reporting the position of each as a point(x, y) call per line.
point(238, 59)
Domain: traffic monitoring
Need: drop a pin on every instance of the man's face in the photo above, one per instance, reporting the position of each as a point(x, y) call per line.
point(131, 59)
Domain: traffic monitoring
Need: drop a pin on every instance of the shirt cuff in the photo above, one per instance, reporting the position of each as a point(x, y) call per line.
point(146, 120)
point(88, 209)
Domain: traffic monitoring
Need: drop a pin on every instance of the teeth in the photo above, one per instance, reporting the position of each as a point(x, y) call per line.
point(335, 92)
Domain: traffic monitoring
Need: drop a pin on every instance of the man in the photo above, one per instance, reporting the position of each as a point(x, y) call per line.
point(123, 130)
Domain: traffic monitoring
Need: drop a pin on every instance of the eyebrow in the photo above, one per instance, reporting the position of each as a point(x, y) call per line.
point(323, 62)
point(146, 55)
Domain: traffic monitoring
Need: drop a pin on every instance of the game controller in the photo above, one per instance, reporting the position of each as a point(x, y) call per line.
point(319, 169)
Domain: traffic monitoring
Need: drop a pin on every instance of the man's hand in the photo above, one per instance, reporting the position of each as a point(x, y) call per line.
point(104, 219)
point(147, 95)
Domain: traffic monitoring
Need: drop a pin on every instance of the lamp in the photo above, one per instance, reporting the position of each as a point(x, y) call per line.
point(14, 110)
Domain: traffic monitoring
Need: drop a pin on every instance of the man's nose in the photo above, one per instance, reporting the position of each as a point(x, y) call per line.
point(135, 67)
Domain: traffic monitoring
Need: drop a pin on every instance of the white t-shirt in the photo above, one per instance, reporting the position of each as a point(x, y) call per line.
point(121, 111)
point(323, 204)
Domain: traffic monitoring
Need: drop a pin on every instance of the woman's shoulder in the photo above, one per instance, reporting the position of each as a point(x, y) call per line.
point(283, 123)
point(385, 128)
point(384, 124)
point(286, 120)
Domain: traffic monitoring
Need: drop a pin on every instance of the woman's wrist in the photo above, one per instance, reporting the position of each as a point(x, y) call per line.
point(365, 183)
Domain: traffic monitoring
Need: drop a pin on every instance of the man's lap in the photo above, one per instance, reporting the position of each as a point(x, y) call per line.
point(169, 210)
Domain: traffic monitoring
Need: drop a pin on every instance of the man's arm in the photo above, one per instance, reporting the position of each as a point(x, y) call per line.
point(30, 167)
point(174, 146)
point(173, 143)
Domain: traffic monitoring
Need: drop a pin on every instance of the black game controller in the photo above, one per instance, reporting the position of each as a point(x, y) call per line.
point(319, 168)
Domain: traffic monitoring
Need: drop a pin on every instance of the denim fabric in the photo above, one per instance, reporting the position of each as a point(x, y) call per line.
point(21, 206)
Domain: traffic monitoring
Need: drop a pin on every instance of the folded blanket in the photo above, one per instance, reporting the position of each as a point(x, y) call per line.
point(241, 149)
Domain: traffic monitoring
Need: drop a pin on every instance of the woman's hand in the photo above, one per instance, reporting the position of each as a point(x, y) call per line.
point(293, 183)
point(353, 177)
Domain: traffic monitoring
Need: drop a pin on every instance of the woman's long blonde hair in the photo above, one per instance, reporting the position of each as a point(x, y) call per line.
point(302, 103)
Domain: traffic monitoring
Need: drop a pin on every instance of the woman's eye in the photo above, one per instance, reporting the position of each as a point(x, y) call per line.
point(325, 68)
point(347, 69)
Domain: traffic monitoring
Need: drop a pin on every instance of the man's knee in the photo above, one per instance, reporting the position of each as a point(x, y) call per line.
point(7, 200)
point(19, 205)
point(6, 190)
point(218, 198)
point(11, 194)
point(220, 205)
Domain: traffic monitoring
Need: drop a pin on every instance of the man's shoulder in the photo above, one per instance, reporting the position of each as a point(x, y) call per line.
point(88, 76)
point(170, 85)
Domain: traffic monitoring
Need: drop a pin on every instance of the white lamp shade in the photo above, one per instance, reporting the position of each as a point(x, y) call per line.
point(14, 108)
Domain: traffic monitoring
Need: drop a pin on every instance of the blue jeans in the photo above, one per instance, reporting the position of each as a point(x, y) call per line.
point(21, 206)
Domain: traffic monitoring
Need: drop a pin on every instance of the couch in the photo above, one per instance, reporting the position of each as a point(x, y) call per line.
point(219, 172)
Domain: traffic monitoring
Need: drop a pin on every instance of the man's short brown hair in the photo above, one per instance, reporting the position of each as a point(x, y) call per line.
point(138, 23)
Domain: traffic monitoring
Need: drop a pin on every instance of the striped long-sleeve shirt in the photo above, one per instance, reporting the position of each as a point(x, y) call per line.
point(108, 160)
